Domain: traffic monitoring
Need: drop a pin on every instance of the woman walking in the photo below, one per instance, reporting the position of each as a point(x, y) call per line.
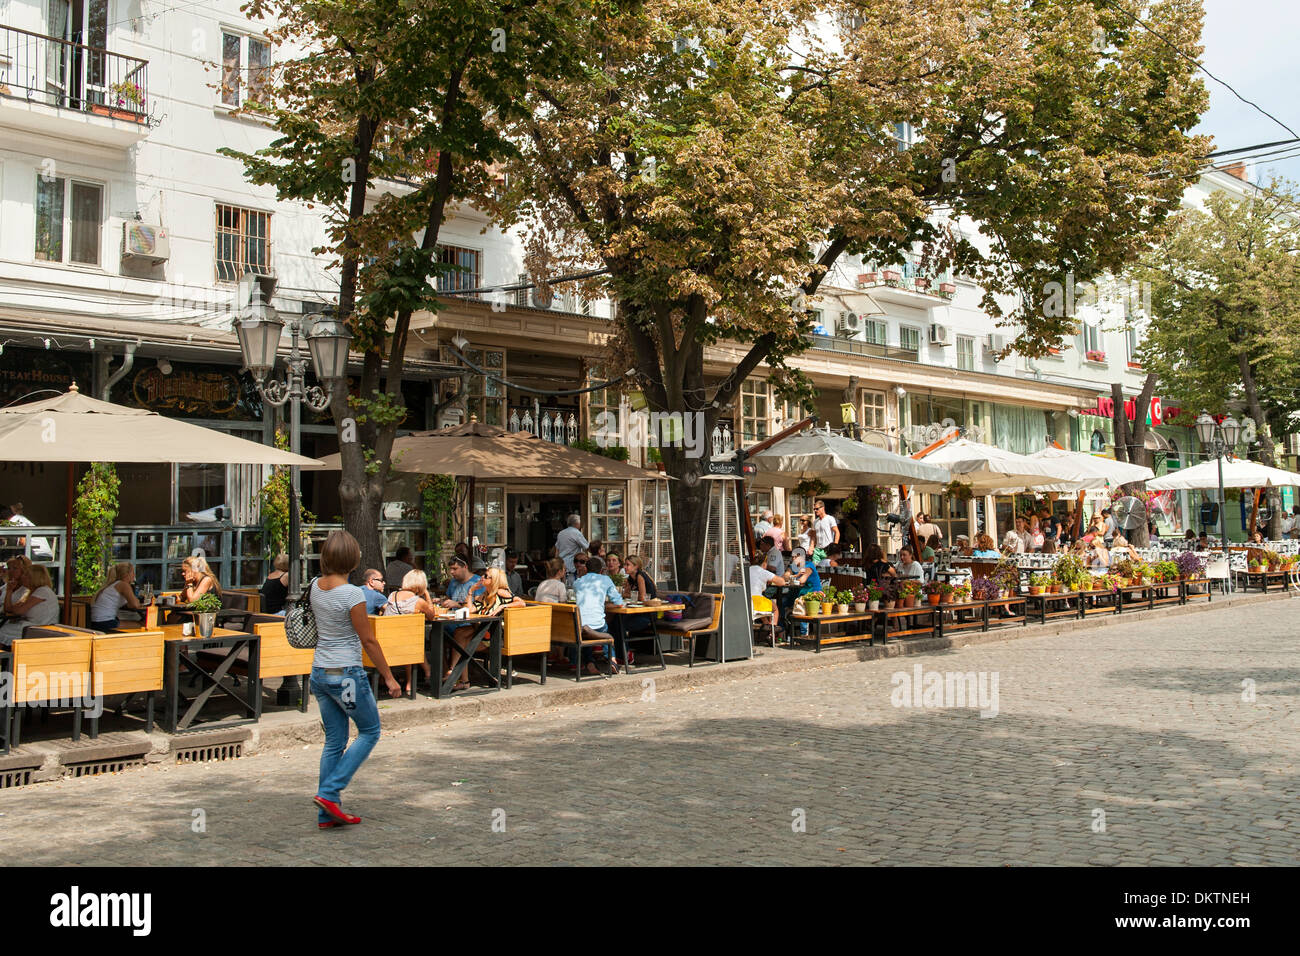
point(337, 678)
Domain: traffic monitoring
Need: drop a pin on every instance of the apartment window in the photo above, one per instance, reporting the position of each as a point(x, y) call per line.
point(245, 62)
point(607, 519)
point(966, 353)
point(1133, 341)
point(904, 135)
point(464, 268)
point(521, 295)
point(875, 331)
point(873, 409)
point(755, 411)
point(909, 339)
point(1091, 337)
point(69, 220)
point(243, 242)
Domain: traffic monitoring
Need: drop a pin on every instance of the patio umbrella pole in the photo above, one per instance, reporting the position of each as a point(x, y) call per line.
point(68, 581)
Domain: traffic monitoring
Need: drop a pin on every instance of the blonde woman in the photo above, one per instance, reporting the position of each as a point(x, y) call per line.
point(199, 579)
point(40, 606)
point(412, 598)
point(489, 597)
point(1100, 554)
point(118, 592)
point(1120, 549)
point(777, 532)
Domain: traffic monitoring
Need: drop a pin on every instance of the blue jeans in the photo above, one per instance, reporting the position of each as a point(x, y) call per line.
point(343, 696)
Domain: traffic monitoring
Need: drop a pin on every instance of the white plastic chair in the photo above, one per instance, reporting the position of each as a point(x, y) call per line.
point(1216, 569)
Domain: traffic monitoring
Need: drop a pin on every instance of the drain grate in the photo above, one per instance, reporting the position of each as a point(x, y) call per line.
point(16, 778)
point(227, 751)
point(92, 767)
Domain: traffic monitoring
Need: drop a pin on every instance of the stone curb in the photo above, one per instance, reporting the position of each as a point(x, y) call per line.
point(284, 729)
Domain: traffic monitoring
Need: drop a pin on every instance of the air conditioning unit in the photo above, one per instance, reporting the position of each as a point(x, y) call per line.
point(849, 323)
point(939, 334)
point(143, 241)
point(993, 345)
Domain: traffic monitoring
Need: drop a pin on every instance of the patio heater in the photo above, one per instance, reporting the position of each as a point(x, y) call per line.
point(723, 570)
point(260, 328)
point(1219, 438)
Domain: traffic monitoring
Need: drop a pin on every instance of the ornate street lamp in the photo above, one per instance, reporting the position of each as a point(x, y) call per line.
point(260, 327)
point(1219, 438)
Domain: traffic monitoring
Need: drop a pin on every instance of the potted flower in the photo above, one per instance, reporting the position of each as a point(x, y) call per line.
point(909, 591)
point(933, 592)
point(1036, 583)
point(960, 593)
point(205, 608)
point(985, 589)
point(863, 597)
point(812, 603)
point(1007, 576)
point(946, 592)
point(1189, 565)
point(1053, 584)
point(842, 600)
point(1122, 569)
point(1069, 570)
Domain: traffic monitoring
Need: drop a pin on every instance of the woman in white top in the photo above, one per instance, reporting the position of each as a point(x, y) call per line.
point(118, 592)
point(412, 598)
point(199, 579)
point(38, 608)
point(552, 590)
point(338, 678)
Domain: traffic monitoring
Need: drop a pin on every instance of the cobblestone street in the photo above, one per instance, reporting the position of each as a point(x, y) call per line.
point(1141, 727)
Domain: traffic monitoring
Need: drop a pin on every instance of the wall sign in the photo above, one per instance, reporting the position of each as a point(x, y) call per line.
point(213, 393)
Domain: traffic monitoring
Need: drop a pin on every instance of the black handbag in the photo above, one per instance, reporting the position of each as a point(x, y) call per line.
point(300, 622)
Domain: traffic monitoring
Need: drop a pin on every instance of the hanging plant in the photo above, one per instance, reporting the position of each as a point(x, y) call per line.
point(960, 490)
point(811, 488)
point(93, 515)
point(274, 498)
point(437, 502)
point(849, 506)
point(883, 495)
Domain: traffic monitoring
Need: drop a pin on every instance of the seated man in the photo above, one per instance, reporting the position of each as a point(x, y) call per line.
point(802, 573)
point(592, 592)
point(373, 589)
point(773, 560)
point(759, 580)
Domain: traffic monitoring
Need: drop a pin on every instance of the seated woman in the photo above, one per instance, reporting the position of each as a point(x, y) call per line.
point(118, 592)
point(412, 598)
point(553, 589)
point(613, 563)
point(908, 567)
point(1120, 549)
point(985, 548)
point(1100, 554)
point(30, 601)
point(931, 545)
point(275, 589)
point(640, 586)
point(488, 598)
point(833, 552)
point(199, 579)
point(874, 565)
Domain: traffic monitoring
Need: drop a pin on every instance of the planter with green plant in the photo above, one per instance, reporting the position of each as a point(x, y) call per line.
point(93, 515)
point(205, 608)
point(1037, 582)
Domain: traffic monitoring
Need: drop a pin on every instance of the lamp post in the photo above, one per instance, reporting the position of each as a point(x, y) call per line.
point(260, 328)
point(1219, 438)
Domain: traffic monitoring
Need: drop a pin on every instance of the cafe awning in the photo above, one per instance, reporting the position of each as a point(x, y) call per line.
point(488, 453)
point(840, 462)
point(1237, 473)
point(989, 469)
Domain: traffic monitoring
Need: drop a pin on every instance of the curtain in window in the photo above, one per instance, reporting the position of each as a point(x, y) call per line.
point(56, 54)
point(1021, 430)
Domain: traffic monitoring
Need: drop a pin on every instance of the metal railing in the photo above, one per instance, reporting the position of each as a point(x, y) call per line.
point(854, 346)
point(73, 76)
point(236, 554)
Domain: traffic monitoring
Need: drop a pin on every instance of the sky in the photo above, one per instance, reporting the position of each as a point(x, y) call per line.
point(1251, 45)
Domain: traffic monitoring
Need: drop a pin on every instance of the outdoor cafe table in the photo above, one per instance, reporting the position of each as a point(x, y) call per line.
point(182, 649)
point(1264, 580)
point(620, 614)
point(490, 627)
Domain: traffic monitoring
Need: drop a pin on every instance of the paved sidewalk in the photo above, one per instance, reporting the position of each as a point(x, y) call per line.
point(1143, 722)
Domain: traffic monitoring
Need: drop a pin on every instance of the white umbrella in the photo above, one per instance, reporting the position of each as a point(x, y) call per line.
point(989, 470)
point(840, 461)
point(1091, 471)
point(1237, 473)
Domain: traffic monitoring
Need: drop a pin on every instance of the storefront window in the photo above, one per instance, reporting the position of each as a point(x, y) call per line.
point(199, 489)
point(608, 519)
point(759, 501)
point(490, 516)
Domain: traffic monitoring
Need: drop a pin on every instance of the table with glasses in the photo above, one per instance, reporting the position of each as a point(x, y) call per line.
point(618, 614)
point(490, 628)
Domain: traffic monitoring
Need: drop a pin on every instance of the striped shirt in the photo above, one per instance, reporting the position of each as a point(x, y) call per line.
point(337, 643)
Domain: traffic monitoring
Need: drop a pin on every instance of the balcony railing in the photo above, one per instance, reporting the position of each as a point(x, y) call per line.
point(857, 347)
point(73, 76)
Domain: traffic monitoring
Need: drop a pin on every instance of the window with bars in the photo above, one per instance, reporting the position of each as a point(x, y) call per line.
point(243, 242)
point(607, 517)
point(755, 410)
point(875, 331)
point(909, 339)
point(69, 220)
point(873, 409)
point(464, 268)
point(966, 353)
point(245, 67)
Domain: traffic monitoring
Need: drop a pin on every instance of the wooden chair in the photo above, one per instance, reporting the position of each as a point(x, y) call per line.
point(50, 670)
point(127, 664)
point(527, 630)
point(278, 658)
point(401, 636)
point(706, 622)
point(567, 628)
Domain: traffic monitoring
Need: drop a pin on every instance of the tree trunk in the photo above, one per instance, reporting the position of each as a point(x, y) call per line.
point(1130, 446)
point(690, 503)
point(1265, 443)
point(868, 517)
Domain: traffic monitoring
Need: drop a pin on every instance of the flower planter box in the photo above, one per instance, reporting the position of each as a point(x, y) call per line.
point(947, 288)
point(921, 283)
point(867, 278)
point(891, 276)
point(1096, 356)
point(114, 113)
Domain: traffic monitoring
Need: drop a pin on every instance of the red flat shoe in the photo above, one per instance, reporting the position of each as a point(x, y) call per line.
point(329, 824)
point(334, 810)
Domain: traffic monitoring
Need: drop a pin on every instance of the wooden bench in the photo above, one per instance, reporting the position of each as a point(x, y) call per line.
point(527, 630)
point(127, 664)
point(51, 670)
point(401, 637)
point(278, 658)
point(691, 629)
point(567, 628)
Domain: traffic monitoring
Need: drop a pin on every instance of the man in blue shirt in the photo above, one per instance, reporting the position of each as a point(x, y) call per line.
point(458, 589)
point(591, 592)
point(374, 591)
